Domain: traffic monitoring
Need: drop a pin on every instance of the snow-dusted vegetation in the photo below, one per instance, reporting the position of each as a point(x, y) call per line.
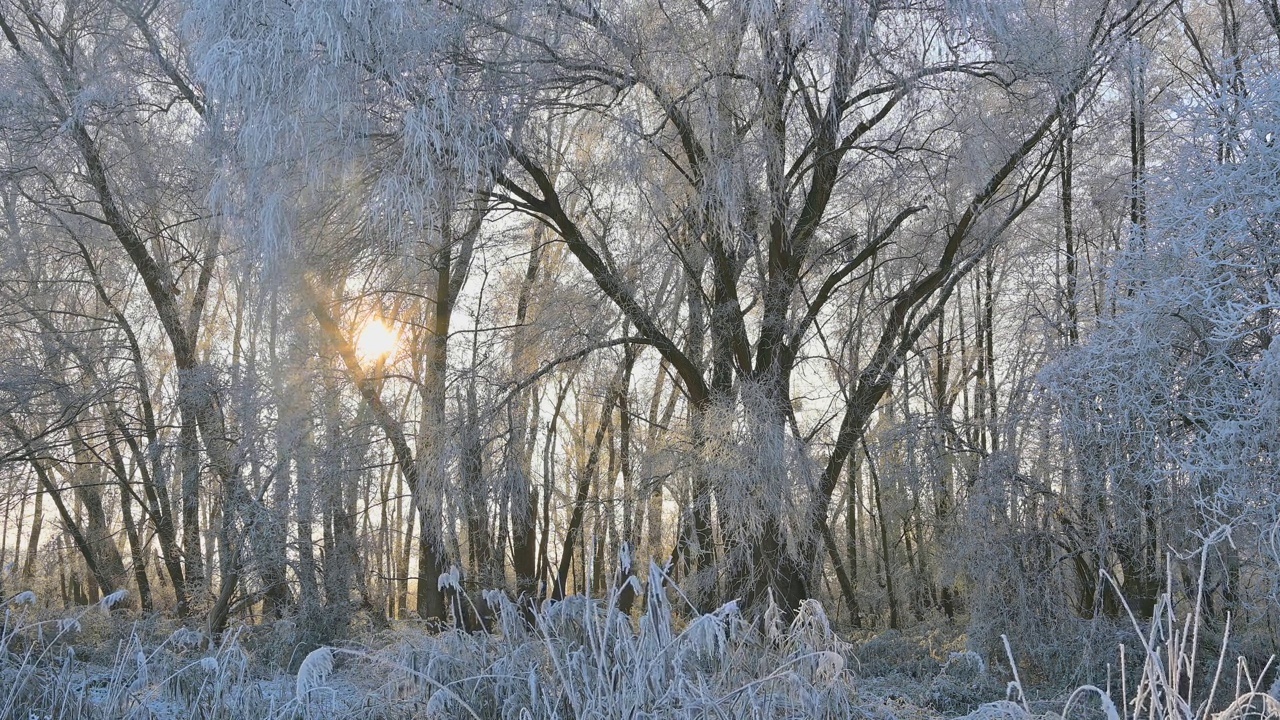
point(578, 658)
point(640, 359)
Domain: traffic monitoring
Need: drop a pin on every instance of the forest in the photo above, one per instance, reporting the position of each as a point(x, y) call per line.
point(888, 359)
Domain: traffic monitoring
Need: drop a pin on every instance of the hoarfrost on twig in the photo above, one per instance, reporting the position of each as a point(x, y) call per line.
point(113, 599)
point(314, 671)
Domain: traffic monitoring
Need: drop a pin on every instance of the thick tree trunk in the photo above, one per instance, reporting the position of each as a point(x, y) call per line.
point(86, 480)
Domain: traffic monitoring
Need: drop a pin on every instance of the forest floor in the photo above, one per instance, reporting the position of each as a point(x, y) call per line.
point(577, 659)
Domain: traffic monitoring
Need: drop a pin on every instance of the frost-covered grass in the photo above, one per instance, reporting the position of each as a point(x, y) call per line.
point(1171, 684)
point(56, 666)
point(572, 659)
point(579, 658)
point(584, 658)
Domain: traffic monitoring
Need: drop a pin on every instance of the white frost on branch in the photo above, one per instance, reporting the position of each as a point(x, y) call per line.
point(358, 117)
point(1179, 391)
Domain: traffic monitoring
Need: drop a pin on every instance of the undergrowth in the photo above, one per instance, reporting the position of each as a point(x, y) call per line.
point(577, 658)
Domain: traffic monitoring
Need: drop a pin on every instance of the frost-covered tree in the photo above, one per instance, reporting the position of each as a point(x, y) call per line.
point(759, 288)
point(727, 175)
point(97, 122)
point(775, 153)
point(357, 138)
point(1170, 406)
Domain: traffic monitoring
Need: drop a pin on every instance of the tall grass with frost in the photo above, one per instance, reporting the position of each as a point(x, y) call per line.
point(578, 658)
point(582, 657)
point(1170, 684)
point(49, 669)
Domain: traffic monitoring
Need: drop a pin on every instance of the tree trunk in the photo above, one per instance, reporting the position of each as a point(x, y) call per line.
point(886, 560)
point(33, 544)
point(523, 498)
point(582, 494)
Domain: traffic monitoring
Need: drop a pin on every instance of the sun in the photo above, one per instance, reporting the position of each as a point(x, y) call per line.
point(376, 341)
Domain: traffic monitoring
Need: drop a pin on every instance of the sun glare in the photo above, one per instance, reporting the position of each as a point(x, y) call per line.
point(375, 342)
